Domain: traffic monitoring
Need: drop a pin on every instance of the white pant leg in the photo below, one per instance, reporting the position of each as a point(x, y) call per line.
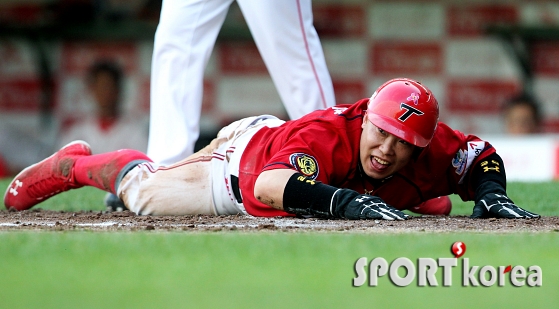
point(199, 184)
point(184, 40)
point(227, 159)
point(183, 188)
point(180, 189)
point(287, 40)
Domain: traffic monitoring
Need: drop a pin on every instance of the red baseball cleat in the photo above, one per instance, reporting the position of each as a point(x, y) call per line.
point(438, 206)
point(47, 178)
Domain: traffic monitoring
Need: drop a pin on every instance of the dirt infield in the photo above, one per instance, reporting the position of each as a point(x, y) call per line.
point(38, 219)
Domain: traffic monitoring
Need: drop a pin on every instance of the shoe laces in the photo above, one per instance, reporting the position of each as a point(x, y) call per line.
point(47, 187)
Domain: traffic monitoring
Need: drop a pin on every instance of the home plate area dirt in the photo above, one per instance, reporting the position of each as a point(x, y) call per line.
point(38, 219)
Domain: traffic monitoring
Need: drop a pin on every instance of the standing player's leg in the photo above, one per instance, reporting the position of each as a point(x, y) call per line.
point(184, 40)
point(288, 42)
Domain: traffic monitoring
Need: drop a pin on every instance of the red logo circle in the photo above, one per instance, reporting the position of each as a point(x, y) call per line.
point(458, 249)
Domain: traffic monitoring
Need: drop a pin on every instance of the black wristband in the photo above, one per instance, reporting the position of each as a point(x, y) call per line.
point(488, 187)
point(488, 176)
point(305, 196)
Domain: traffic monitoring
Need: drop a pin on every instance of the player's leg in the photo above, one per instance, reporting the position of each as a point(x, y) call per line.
point(194, 185)
point(288, 42)
point(439, 206)
point(71, 167)
point(183, 43)
point(180, 189)
point(183, 188)
point(146, 188)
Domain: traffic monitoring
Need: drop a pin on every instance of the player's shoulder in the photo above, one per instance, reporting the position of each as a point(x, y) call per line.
point(342, 114)
point(350, 111)
point(341, 120)
point(444, 131)
point(450, 143)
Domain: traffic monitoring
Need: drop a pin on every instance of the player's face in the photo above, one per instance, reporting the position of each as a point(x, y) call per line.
point(381, 153)
point(105, 92)
point(520, 120)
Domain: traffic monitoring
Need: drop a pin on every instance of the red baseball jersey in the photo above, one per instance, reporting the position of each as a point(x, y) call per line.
point(324, 145)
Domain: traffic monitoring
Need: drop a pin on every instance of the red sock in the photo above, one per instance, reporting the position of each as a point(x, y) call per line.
point(101, 170)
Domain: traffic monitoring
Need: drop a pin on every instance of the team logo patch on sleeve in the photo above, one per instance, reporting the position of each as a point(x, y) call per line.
point(459, 161)
point(465, 157)
point(304, 163)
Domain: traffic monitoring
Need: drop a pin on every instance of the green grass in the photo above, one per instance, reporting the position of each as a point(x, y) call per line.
point(262, 270)
point(538, 197)
point(236, 270)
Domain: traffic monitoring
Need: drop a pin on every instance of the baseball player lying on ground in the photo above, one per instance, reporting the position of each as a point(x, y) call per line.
point(368, 160)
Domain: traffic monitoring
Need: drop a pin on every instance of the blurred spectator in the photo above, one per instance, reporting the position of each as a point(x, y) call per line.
point(522, 115)
point(107, 129)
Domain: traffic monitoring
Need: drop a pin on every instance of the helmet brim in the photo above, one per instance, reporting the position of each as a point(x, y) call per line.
point(398, 129)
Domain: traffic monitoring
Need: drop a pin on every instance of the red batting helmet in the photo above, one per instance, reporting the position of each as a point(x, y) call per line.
point(406, 109)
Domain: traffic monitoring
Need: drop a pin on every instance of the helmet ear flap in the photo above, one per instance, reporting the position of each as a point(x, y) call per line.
point(405, 108)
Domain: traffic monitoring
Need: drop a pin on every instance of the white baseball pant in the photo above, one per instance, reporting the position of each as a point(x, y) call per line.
point(199, 184)
point(285, 36)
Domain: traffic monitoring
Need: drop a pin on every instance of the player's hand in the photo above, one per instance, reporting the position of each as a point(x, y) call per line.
point(372, 207)
point(493, 205)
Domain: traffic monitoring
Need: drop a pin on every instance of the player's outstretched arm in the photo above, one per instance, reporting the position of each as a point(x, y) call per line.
point(294, 193)
point(491, 195)
point(269, 187)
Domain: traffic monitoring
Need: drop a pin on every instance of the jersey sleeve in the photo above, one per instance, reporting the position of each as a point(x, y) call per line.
point(470, 151)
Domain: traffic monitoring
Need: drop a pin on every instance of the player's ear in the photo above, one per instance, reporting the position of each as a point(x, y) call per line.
point(365, 119)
